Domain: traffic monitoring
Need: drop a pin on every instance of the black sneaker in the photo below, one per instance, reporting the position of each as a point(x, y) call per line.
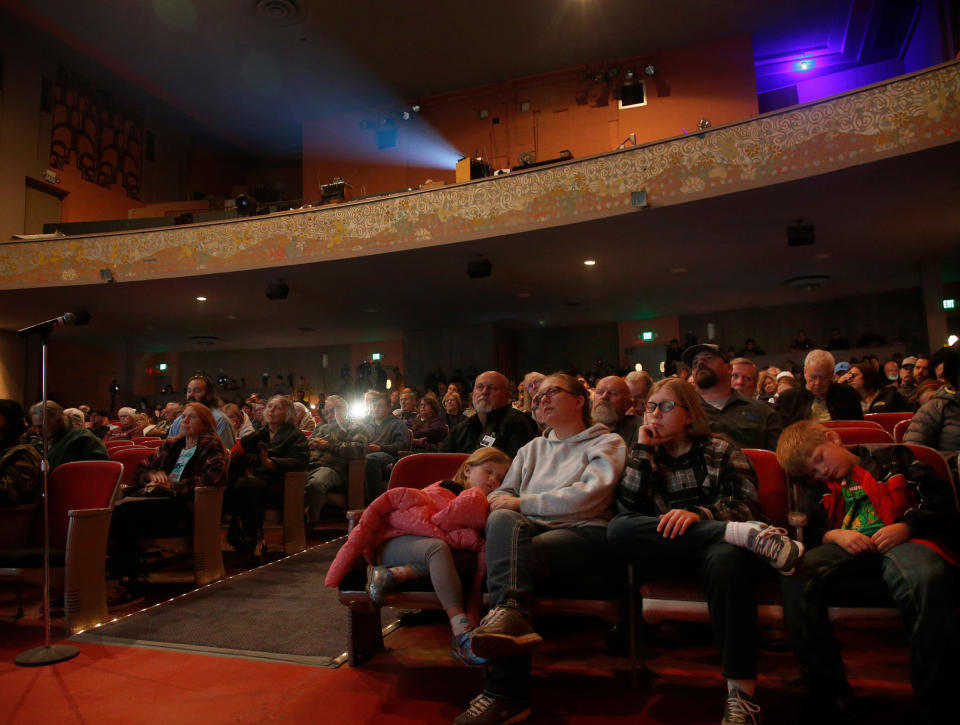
point(504, 632)
point(740, 710)
point(779, 550)
point(487, 709)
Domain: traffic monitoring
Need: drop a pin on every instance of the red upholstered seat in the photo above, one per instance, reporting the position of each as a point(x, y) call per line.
point(852, 424)
point(854, 436)
point(887, 420)
point(422, 469)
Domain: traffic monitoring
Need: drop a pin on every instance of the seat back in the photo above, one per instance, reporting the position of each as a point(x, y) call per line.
point(851, 424)
point(130, 458)
point(771, 484)
point(422, 469)
point(79, 485)
point(888, 420)
point(148, 441)
point(856, 436)
point(117, 444)
point(900, 430)
point(936, 461)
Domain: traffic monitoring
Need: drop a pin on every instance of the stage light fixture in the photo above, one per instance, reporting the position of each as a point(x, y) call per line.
point(804, 64)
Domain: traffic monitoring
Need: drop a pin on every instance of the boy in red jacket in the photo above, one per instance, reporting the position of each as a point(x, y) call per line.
point(875, 516)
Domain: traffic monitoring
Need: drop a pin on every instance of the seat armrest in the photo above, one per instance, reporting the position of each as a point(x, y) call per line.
point(85, 586)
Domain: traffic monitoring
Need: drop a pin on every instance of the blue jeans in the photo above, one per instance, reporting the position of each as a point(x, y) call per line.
point(519, 553)
point(727, 573)
point(374, 481)
point(924, 588)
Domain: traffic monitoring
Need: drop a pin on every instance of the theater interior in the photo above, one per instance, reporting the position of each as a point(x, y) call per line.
point(166, 165)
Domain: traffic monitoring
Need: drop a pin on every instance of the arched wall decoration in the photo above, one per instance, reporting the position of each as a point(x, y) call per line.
point(100, 134)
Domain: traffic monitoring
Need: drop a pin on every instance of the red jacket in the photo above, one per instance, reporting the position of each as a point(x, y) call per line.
point(891, 499)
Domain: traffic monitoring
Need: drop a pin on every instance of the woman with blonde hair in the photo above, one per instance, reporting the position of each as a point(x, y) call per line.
point(453, 408)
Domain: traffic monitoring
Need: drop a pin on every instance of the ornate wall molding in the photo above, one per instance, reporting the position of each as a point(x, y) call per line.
point(902, 116)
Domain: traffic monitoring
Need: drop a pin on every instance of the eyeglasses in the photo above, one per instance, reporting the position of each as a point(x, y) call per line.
point(665, 406)
point(548, 393)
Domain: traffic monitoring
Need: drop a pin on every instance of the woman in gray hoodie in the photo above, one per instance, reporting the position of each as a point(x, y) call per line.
point(548, 520)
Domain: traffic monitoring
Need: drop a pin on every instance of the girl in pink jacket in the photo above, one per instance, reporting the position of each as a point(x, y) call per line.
point(417, 528)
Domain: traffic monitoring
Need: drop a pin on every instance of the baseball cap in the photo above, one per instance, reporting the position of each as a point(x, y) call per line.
point(908, 362)
point(694, 350)
point(841, 367)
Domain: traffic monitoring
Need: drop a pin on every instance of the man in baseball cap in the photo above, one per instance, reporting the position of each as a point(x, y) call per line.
point(749, 423)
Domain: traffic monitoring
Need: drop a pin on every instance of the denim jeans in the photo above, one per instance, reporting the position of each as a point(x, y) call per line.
point(374, 482)
point(519, 553)
point(924, 588)
point(727, 573)
point(319, 481)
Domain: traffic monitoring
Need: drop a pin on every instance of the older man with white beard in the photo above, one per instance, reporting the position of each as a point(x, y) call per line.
point(496, 423)
point(611, 405)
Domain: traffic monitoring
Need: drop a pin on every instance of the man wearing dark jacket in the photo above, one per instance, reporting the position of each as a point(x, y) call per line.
point(822, 399)
point(496, 422)
point(65, 442)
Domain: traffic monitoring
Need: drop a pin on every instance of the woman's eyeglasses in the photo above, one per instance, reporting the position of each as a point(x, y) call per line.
point(548, 393)
point(665, 406)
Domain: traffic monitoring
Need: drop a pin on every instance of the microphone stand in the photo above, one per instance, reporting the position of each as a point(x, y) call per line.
point(46, 654)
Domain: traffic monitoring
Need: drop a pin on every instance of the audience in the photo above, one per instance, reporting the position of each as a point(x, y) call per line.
point(496, 423)
point(766, 385)
point(408, 406)
point(238, 419)
point(748, 423)
point(875, 397)
point(20, 478)
point(200, 389)
point(332, 446)
point(873, 517)
point(161, 502)
point(99, 423)
point(76, 417)
point(429, 428)
point(548, 520)
point(639, 382)
point(528, 389)
point(257, 471)
point(821, 399)
point(304, 420)
point(65, 442)
point(453, 408)
point(129, 429)
point(386, 437)
point(937, 422)
point(688, 501)
point(908, 385)
point(743, 377)
point(611, 407)
point(921, 369)
point(169, 414)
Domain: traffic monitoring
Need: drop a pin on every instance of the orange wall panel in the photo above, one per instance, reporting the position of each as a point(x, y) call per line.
point(89, 202)
point(713, 80)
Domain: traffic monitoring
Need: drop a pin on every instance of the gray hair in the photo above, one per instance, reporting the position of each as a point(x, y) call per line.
point(288, 406)
point(54, 412)
point(816, 358)
point(75, 416)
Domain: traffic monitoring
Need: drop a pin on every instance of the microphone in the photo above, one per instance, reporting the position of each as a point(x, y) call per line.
point(70, 318)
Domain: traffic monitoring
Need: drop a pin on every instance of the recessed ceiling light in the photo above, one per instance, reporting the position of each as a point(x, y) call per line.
point(524, 294)
point(822, 255)
point(370, 309)
point(231, 317)
point(589, 262)
point(678, 270)
point(201, 299)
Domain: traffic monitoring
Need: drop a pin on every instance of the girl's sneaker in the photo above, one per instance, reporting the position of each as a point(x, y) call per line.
point(460, 649)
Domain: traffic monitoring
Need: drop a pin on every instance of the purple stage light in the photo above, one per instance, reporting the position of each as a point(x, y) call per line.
point(804, 64)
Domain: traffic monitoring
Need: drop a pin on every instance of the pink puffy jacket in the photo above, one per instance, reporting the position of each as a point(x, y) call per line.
point(432, 511)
